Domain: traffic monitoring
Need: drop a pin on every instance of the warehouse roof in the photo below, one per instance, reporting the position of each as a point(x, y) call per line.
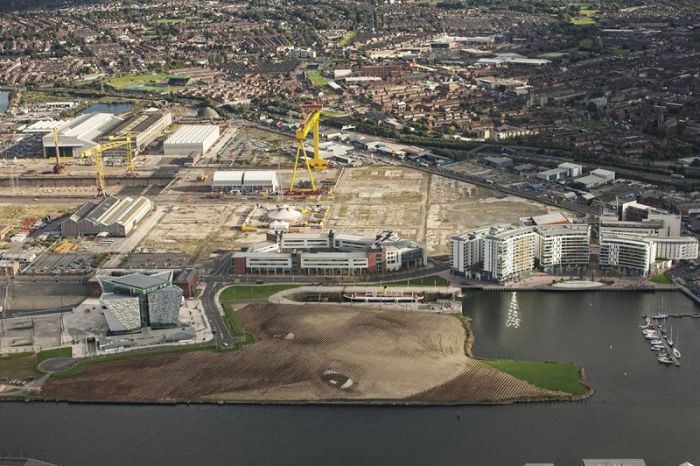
point(111, 210)
point(137, 124)
point(83, 130)
point(228, 177)
point(261, 175)
point(191, 134)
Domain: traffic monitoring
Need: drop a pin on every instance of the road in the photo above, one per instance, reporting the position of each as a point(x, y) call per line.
point(222, 337)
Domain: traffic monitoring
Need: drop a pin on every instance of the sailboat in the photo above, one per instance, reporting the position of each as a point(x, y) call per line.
point(669, 339)
point(676, 351)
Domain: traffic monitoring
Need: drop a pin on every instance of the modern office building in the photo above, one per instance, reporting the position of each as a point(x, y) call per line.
point(563, 247)
point(191, 139)
point(112, 215)
point(78, 134)
point(243, 182)
point(329, 254)
point(135, 301)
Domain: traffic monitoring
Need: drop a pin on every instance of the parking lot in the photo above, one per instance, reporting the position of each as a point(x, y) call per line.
point(62, 263)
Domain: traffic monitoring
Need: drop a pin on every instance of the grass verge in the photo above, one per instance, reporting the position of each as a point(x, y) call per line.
point(347, 39)
point(250, 292)
point(63, 352)
point(18, 366)
point(559, 376)
point(317, 78)
point(663, 279)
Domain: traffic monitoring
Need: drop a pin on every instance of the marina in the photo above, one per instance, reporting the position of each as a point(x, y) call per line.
point(654, 331)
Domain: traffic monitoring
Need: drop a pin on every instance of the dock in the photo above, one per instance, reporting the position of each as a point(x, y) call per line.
point(656, 327)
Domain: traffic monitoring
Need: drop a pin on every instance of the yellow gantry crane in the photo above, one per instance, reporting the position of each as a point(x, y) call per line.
point(311, 123)
point(96, 153)
point(58, 168)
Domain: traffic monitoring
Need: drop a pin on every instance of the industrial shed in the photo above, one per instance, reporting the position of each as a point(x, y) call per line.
point(245, 181)
point(79, 134)
point(191, 139)
point(112, 215)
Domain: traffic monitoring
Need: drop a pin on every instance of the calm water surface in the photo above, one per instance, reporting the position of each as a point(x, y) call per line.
point(114, 109)
point(4, 100)
point(653, 412)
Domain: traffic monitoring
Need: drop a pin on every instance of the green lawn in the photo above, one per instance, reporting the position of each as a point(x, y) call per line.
point(621, 52)
point(132, 80)
point(583, 21)
point(432, 280)
point(559, 376)
point(250, 292)
point(663, 279)
point(585, 43)
point(170, 21)
point(18, 366)
point(317, 78)
point(591, 124)
point(64, 352)
point(347, 39)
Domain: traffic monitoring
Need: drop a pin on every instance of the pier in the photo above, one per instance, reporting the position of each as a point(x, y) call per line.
point(662, 337)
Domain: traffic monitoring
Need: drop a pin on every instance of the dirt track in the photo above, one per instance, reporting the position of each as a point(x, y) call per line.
point(301, 352)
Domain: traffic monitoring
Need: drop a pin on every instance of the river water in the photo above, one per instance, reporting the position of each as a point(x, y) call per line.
point(4, 101)
point(114, 109)
point(652, 412)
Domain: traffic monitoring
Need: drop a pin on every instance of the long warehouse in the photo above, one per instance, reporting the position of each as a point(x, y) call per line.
point(191, 139)
point(113, 216)
point(236, 181)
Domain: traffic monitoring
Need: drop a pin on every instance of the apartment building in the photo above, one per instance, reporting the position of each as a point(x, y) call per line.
point(627, 255)
point(506, 253)
point(563, 247)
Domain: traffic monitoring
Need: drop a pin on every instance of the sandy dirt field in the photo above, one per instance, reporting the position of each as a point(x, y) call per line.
point(419, 206)
point(334, 353)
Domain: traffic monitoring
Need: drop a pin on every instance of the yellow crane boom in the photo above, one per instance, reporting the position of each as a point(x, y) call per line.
point(58, 167)
point(97, 151)
point(311, 123)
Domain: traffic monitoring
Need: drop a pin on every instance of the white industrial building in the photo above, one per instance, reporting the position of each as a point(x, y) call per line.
point(191, 139)
point(597, 177)
point(573, 170)
point(553, 174)
point(78, 134)
point(250, 181)
point(111, 215)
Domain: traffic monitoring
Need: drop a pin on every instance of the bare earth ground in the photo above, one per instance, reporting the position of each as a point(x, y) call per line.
point(389, 355)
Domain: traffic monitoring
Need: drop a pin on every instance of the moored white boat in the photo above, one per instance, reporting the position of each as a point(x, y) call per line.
point(665, 360)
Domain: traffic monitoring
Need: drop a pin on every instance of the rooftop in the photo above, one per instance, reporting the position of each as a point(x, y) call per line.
point(141, 281)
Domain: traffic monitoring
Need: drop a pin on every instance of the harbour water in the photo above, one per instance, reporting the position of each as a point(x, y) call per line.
point(640, 409)
point(114, 109)
point(4, 101)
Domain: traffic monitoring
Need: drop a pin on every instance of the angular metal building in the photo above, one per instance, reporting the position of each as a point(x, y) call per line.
point(153, 298)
